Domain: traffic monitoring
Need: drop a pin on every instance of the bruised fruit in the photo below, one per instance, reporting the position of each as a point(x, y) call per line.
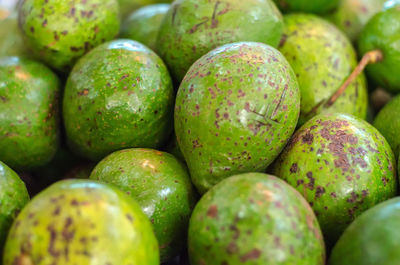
point(322, 58)
point(119, 95)
point(307, 6)
point(59, 32)
point(13, 197)
point(342, 166)
point(11, 41)
point(192, 28)
point(81, 222)
point(255, 219)
point(161, 185)
point(29, 113)
point(235, 111)
point(143, 25)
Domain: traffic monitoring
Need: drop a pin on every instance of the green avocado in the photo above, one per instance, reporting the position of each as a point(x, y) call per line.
point(144, 24)
point(118, 96)
point(13, 197)
point(254, 219)
point(29, 113)
point(129, 6)
point(307, 6)
point(161, 185)
point(342, 166)
point(59, 31)
point(192, 28)
point(81, 222)
point(373, 238)
point(382, 33)
point(322, 58)
point(11, 40)
point(235, 111)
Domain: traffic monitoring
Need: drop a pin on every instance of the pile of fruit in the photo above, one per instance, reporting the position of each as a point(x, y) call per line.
point(202, 132)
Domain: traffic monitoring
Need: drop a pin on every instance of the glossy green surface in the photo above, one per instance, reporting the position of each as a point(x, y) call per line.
point(128, 6)
point(29, 113)
point(373, 238)
point(11, 41)
point(81, 222)
point(322, 58)
point(13, 197)
point(342, 166)
point(118, 96)
point(383, 32)
point(235, 111)
point(59, 32)
point(254, 219)
point(307, 6)
point(161, 185)
point(143, 25)
point(192, 28)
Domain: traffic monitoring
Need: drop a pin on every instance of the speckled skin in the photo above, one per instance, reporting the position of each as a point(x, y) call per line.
point(119, 95)
point(254, 219)
point(322, 58)
point(383, 32)
point(307, 6)
point(161, 185)
point(342, 166)
point(235, 111)
point(371, 239)
point(59, 32)
point(13, 197)
point(192, 28)
point(128, 6)
point(352, 15)
point(81, 222)
point(143, 25)
point(11, 40)
point(29, 113)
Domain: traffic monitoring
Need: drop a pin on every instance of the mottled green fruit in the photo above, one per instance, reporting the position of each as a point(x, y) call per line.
point(382, 32)
point(388, 123)
point(342, 166)
point(59, 32)
point(81, 222)
point(161, 185)
point(13, 197)
point(307, 6)
point(143, 25)
point(373, 238)
point(352, 15)
point(81, 171)
point(119, 95)
point(128, 6)
point(29, 113)
point(322, 58)
point(254, 219)
point(192, 28)
point(235, 111)
point(11, 41)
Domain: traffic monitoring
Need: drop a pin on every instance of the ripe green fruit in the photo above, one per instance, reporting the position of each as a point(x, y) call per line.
point(307, 6)
point(144, 24)
point(29, 113)
point(254, 219)
point(161, 185)
point(11, 41)
point(235, 111)
point(59, 32)
point(342, 166)
point(81, 222)
point(192, 28)
point(373, 238)
point(322, 58)
point(13, 197)
point(119, 95)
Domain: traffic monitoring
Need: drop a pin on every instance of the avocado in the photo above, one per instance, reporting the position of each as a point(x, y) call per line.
point(11, 40)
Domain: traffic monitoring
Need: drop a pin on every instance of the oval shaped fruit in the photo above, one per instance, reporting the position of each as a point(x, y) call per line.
point(192, 28)
point(29, 113)
point(255, 219)
point(235, 111)
point(11, 40)
point(59, 32)
point(342, 166)
point(119, 95)
point(161, 185)
point(144, 24)
point(13, 197)
point(81, 222)
point(373, 238)
point(307, 6)
point(322, 58)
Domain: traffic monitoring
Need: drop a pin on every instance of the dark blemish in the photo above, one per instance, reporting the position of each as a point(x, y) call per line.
point(365, 193)
point(310, 185)
point(53, 238)
point(32, 29)
point(236, 231)
point(300, 182)
point(129, 217)
point(319, 192)
point(3, 98)
point(232, 248)
point(212, 211)
point(74, 49)
point(44, 24)
point(293, 168)
point(353, 198)
point(72, 11)
point(56, 37)
point(83, 92)
point(251, 255)
point(57, 211)
point(308, 138)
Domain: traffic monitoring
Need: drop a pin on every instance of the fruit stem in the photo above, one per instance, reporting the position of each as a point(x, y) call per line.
point(371, 57)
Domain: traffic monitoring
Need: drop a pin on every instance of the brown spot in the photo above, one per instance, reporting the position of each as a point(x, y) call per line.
point(251, 255)
point(308, 138)
point(319, 192)
point(232, 248)
point(212, 211)
point(293, 168)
